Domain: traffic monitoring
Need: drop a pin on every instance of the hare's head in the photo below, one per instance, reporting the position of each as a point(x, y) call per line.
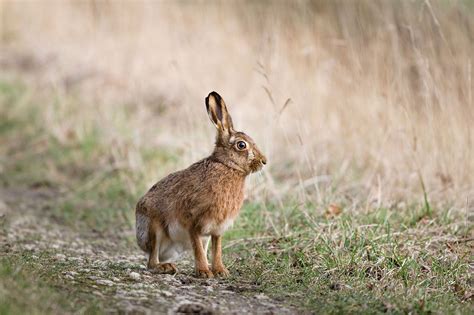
point(233, 148)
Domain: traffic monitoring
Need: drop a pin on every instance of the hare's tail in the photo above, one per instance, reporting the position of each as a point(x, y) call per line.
point(142, 230)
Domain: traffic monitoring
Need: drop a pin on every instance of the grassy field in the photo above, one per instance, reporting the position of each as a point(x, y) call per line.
point(364, 110)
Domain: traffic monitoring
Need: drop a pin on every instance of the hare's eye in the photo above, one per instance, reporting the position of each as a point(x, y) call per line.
point(241, 145)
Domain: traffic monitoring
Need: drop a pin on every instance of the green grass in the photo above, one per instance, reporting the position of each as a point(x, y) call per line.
point(348, 266)
point(395, 260)
point(31, 285)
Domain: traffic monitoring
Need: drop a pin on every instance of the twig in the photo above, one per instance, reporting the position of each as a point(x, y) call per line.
point(248, 239)
point(288, 101)
point(463, 240)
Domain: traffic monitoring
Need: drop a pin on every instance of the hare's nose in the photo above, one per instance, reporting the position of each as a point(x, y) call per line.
point(264, 160)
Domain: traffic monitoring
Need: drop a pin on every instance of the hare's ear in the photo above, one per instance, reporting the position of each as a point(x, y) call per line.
point(219, 115)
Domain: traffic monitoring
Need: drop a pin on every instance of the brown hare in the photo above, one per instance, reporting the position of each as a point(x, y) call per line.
point(187, 208)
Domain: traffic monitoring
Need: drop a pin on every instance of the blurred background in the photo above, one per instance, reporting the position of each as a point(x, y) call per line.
point(354, 102)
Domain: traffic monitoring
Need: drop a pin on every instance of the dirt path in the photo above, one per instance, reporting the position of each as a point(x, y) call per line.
point(94, 266)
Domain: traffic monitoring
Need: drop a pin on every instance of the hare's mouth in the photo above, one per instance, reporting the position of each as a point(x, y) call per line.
point(256, 166)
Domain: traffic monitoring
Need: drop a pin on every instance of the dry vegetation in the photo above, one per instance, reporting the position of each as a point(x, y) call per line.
point(361, 93)
point(364, 109)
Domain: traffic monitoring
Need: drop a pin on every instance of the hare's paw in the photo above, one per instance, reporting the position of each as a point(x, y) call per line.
point(167, 268)
point(221, 271)
point(204, 273)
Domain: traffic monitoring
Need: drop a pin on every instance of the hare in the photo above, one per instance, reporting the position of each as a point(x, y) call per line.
point(187, 208)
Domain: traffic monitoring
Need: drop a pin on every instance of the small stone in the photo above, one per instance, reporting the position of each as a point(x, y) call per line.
point(166, 293)
point(60, 257)
point(29, 246)
point(134, 276)
point(105, 282)
point(260, 296)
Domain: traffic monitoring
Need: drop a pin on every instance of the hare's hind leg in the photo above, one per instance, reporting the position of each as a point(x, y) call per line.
point(156, 236)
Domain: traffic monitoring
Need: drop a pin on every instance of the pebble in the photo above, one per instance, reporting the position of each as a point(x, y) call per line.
point(105, 282)
point(261, 296)
point(134, 276)
point(166, 293)
point(29, 246)
point(60, 257)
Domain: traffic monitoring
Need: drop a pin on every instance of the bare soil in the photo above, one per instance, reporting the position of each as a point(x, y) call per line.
point(98, 266)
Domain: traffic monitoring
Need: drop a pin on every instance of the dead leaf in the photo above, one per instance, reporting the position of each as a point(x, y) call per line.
point(333, 211)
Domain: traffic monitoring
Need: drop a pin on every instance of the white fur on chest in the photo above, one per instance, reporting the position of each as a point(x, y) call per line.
point(214, 228)
point(179, 242)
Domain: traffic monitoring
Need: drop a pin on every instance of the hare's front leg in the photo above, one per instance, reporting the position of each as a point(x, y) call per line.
point(217, 265)
point(200, 259)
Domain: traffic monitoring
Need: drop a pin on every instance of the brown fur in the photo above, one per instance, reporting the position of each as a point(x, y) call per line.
point(207, 193)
